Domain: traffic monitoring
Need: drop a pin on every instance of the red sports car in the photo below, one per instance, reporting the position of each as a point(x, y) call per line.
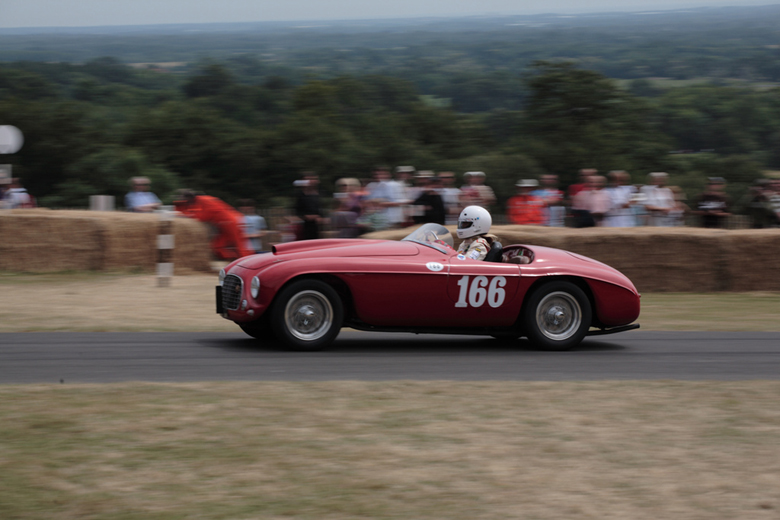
point(304, 292)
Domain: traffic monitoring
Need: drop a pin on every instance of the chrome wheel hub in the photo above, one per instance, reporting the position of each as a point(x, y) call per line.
point(308, 315)
point(558, 315)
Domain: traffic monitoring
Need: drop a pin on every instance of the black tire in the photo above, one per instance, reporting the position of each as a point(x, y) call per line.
point(307, 315)
point(259, 329)
point(557, 316)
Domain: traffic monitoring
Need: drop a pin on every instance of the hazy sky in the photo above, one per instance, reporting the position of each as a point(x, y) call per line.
point(74, 13)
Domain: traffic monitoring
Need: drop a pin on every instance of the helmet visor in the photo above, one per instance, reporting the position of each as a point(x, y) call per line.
point(465, 224)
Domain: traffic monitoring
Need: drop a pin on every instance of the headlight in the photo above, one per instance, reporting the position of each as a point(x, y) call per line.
point(254, 288)
point(222, 275)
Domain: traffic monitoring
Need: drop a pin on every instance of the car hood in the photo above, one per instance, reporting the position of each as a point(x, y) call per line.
point(329, 248)
point(549, 261)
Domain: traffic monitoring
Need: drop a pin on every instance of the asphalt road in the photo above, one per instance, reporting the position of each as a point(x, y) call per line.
point(103, 357)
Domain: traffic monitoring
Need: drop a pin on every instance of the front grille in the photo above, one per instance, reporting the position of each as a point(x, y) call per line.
point(232, 288)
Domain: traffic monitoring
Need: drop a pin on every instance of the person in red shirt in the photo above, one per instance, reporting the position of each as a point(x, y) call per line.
point(525, 208)
point(230, 242)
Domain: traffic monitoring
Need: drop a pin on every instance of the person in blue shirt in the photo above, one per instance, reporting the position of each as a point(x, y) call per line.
point(140, 199)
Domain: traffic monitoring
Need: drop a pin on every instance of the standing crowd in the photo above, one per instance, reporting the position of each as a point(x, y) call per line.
point(405, 196)
point(410, 197)
point(613, 201)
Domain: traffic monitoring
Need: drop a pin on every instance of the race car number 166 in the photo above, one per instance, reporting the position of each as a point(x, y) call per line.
point(481, 290)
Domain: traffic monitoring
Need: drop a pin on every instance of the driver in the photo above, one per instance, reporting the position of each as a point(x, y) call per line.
point(473, 225)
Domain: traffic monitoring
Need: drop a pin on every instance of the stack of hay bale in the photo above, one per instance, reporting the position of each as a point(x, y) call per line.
point(41, 240)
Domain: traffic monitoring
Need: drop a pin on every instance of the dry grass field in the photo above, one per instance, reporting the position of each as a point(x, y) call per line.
point(344, 450)
point(348, 450)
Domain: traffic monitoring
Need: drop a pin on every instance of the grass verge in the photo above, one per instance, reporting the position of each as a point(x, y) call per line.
point(639, 450)
point(122, 302)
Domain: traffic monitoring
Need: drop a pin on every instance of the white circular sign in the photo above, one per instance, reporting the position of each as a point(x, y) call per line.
point(11, 139)
point(434, 266)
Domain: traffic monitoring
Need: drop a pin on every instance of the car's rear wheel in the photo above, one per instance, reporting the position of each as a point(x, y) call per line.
point(557, 316)
point(307, 315)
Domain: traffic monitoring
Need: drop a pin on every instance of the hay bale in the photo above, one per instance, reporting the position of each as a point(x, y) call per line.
point(192, 252)
point(48, 241)
point(39, 241)
point(753, 259)
point(128, 240)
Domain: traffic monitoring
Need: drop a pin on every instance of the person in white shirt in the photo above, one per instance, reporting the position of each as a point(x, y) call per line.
point(621, 193)
point(391, 195)
point(659, 200)
point(451, 197)
point(16, 196)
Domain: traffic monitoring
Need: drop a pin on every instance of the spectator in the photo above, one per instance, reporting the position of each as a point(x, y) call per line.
point(429, 202)
point(659, 200)
point(594, 201)
point(16, 197)
point(347, 208)
point(390, 195)
point(307, 207)
point(638, 201)
point(579, 214)
point(621, 194)
point(759, 205)
point(5, 181)
point(373, 217)
point(554, 210)
point(774, 199)
point(713, 204)
point(230, 242)
point(451, 197)
point(525, 208)
point(475, 192)
point(254, 225)
point(681, 209)
point(373, 184)
point(413, 212)
point(584, 175)
point(139, 199)
point(407, 190)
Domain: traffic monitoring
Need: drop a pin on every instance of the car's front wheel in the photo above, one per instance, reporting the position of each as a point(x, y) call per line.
point(307, 315)
point(557, 316)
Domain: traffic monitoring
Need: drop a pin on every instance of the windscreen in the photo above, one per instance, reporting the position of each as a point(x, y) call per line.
point(433, 235)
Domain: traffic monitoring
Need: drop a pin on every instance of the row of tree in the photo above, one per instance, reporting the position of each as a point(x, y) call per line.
point(89, 128)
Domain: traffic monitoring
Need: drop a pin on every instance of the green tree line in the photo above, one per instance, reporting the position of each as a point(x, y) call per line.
point(234, 133)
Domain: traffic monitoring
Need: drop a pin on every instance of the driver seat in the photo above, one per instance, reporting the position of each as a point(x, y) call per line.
point(494, 255)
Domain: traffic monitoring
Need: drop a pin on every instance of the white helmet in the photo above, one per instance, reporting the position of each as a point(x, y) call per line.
point(473, 221)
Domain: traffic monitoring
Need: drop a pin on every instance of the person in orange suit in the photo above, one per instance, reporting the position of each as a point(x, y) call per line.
point(230, 242)
point(525, 208)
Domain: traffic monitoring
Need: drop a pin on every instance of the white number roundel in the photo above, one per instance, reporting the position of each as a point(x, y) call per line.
point(480, 291)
